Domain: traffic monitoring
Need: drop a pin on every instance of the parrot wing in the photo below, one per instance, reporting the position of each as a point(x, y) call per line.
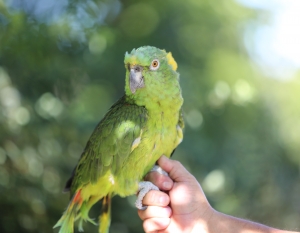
point(113, 139)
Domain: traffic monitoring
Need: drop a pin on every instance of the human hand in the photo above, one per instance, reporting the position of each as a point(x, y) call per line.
point(182, 207)
point(188, 205)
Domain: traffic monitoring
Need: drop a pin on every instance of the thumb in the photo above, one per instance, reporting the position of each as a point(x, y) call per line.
point(175, 169)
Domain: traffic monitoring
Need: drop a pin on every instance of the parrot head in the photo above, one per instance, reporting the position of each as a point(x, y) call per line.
point(151, 75)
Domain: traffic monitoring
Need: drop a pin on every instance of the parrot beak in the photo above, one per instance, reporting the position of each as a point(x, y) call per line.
point(136, 79)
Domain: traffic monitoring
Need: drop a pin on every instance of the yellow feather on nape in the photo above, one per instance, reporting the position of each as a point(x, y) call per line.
point(171, 61)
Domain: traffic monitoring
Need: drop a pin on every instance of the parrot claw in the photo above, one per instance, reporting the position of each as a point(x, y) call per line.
point(158, 169)
point(144, 188)
point(80, 228)
point(92, 220)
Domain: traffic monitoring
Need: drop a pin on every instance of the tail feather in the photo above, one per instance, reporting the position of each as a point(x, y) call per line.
point(66, 222)
point(105, 215)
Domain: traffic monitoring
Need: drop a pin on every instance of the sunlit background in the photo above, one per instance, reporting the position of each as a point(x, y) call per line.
point(61, 68)
point(275, 44)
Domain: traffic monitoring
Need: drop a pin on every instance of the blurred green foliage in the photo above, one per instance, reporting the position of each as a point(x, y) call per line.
point(61, 67)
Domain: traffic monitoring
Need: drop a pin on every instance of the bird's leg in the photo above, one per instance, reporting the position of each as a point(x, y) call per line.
point(84, 212)
point(146, 186)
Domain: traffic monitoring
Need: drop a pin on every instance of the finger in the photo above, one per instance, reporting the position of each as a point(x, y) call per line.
point(175, 169)
point(156, 198)
point(156, 224)
point(155, 212)
point(161, 181)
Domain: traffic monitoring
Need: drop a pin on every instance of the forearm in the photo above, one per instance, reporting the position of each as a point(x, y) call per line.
point(219, 222)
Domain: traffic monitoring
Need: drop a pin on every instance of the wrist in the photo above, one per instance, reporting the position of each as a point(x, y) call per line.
point(205, 221)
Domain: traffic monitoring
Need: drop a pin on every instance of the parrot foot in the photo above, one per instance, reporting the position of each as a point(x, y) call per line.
point(144, 188)
point(158, 169)
point(86, 219)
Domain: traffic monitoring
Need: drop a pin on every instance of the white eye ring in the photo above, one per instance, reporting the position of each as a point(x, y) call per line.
point(154, 64)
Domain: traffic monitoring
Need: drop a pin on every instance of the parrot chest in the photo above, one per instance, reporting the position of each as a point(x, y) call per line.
point(160, 136)
point(163, 136)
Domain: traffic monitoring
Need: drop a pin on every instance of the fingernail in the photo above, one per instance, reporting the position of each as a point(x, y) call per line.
point(167, 185)
point(168, 210)
point(163, 200)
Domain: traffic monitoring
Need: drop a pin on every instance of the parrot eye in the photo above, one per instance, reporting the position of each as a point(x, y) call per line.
point(154, 65)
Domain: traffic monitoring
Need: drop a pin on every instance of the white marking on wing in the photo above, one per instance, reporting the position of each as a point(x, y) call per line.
point(180, 134)
point(111, 179)
point(135, 143)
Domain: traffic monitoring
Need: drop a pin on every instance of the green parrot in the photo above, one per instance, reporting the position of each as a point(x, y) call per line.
point(140, 127)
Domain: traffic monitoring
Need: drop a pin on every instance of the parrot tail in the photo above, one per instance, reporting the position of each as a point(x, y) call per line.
point(66, 222)
point(105, 215)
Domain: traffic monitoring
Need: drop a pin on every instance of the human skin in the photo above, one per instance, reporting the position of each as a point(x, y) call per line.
point(182, 207)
